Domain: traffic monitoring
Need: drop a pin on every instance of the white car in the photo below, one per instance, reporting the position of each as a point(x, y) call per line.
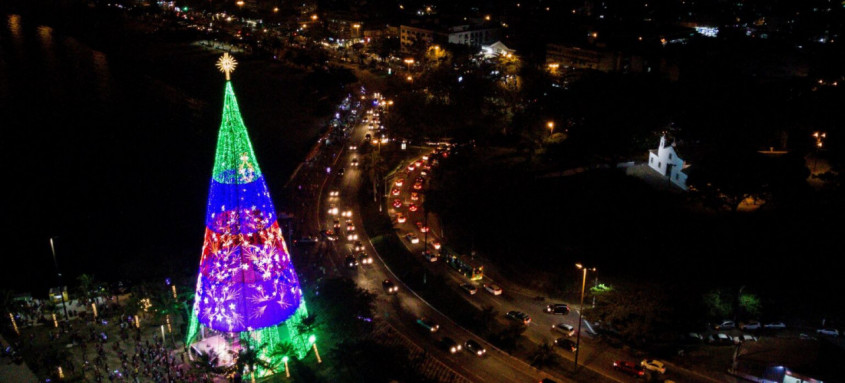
point(725, 325)
point(775, 325)
point(744, 338)
point(752, 325)
point(411, 237)
point(566, 329)
point(493, 289)
point(653, 365)
point(828, 331)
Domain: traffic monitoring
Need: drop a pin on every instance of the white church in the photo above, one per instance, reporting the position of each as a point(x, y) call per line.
point(665, 161)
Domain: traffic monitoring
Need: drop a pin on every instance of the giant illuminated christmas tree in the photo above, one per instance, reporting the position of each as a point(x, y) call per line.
point(247, 292)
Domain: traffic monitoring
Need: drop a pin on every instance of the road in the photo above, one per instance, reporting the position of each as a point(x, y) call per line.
point(402, 309)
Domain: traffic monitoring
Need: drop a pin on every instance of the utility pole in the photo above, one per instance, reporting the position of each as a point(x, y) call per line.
point(581, 311)
point(59, 275)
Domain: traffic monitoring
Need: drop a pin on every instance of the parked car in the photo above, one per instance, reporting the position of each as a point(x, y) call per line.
point(566, 344)
point(474, 347)
point(450, 345)
point(694, 337)
point(564, 328)
point(725, 325)
point(429, 324)
point(744, 338)
point(469, 288)
point(750, 325)
point(557, 308)
point(493, 289)
point(389, 286)
point(828, 331)
point(775, 325)
point(653, 365)
point(629, 368)
point(719, 339)
point(519, 316)
point(365, 258)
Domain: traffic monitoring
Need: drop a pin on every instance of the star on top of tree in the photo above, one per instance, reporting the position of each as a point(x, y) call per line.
point(227, 64)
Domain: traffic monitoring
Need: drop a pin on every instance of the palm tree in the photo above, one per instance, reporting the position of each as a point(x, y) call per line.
point(206, 363)
point(543, 355)
point(308, 324)
point(8, 305)
point(87, 287)
point(248, 359)
point(279, 351)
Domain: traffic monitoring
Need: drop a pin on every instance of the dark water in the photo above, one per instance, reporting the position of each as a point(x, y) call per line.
point(111, 148)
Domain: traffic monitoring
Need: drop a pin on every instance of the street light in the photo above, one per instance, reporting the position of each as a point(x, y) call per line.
point(59, 274)
point(551, 126)
point(581, 310)
point(357, 28)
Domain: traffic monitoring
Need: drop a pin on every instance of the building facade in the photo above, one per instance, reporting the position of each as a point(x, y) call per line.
point(665, 161)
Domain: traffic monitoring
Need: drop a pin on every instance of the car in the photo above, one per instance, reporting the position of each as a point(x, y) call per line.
point(567, 329)
point(429, 324)
point(354, 161)
point(566, 344)
point(365, 258)
point(399, 182)
point(358, 246)
point(333, 210)
point(331, 235)
point(346, 213)
point(694, 337)
point(450, 345)
point(492, 289)
point(336, 224)
point(744, 338)
point(751, 325)
point(429, 256)
point(340, 171)
point(725, 325)
point(775, 325)
point(353, 147)
point(397, 203)
point(519, 316)
point(719, 339)
point(423, 228)
point(418, 186)
point(389, 286)
point(474, 347)
point(557, 308)
point(351, 262)
point(334, 193)
point(350, 226)
point(400, 218)
point(415, 196)
point(396, 191)
point(412, 207)
point(418, 163)
point(352, 237)
point(435, 245)
point(425, 157)
point(629, 368)
point(654, 365)
point(469, 288)
point(411, 237)
point(411, 167)
point(828, 331)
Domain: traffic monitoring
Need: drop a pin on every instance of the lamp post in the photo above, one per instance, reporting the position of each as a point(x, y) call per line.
point(59, 275)
point(581, 310)
point(551, 126)
point(819, 136)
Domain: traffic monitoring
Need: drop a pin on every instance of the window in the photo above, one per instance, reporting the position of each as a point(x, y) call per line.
point(659, 165)
point(670, 156)
point(651, 160)
point(676, 175)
